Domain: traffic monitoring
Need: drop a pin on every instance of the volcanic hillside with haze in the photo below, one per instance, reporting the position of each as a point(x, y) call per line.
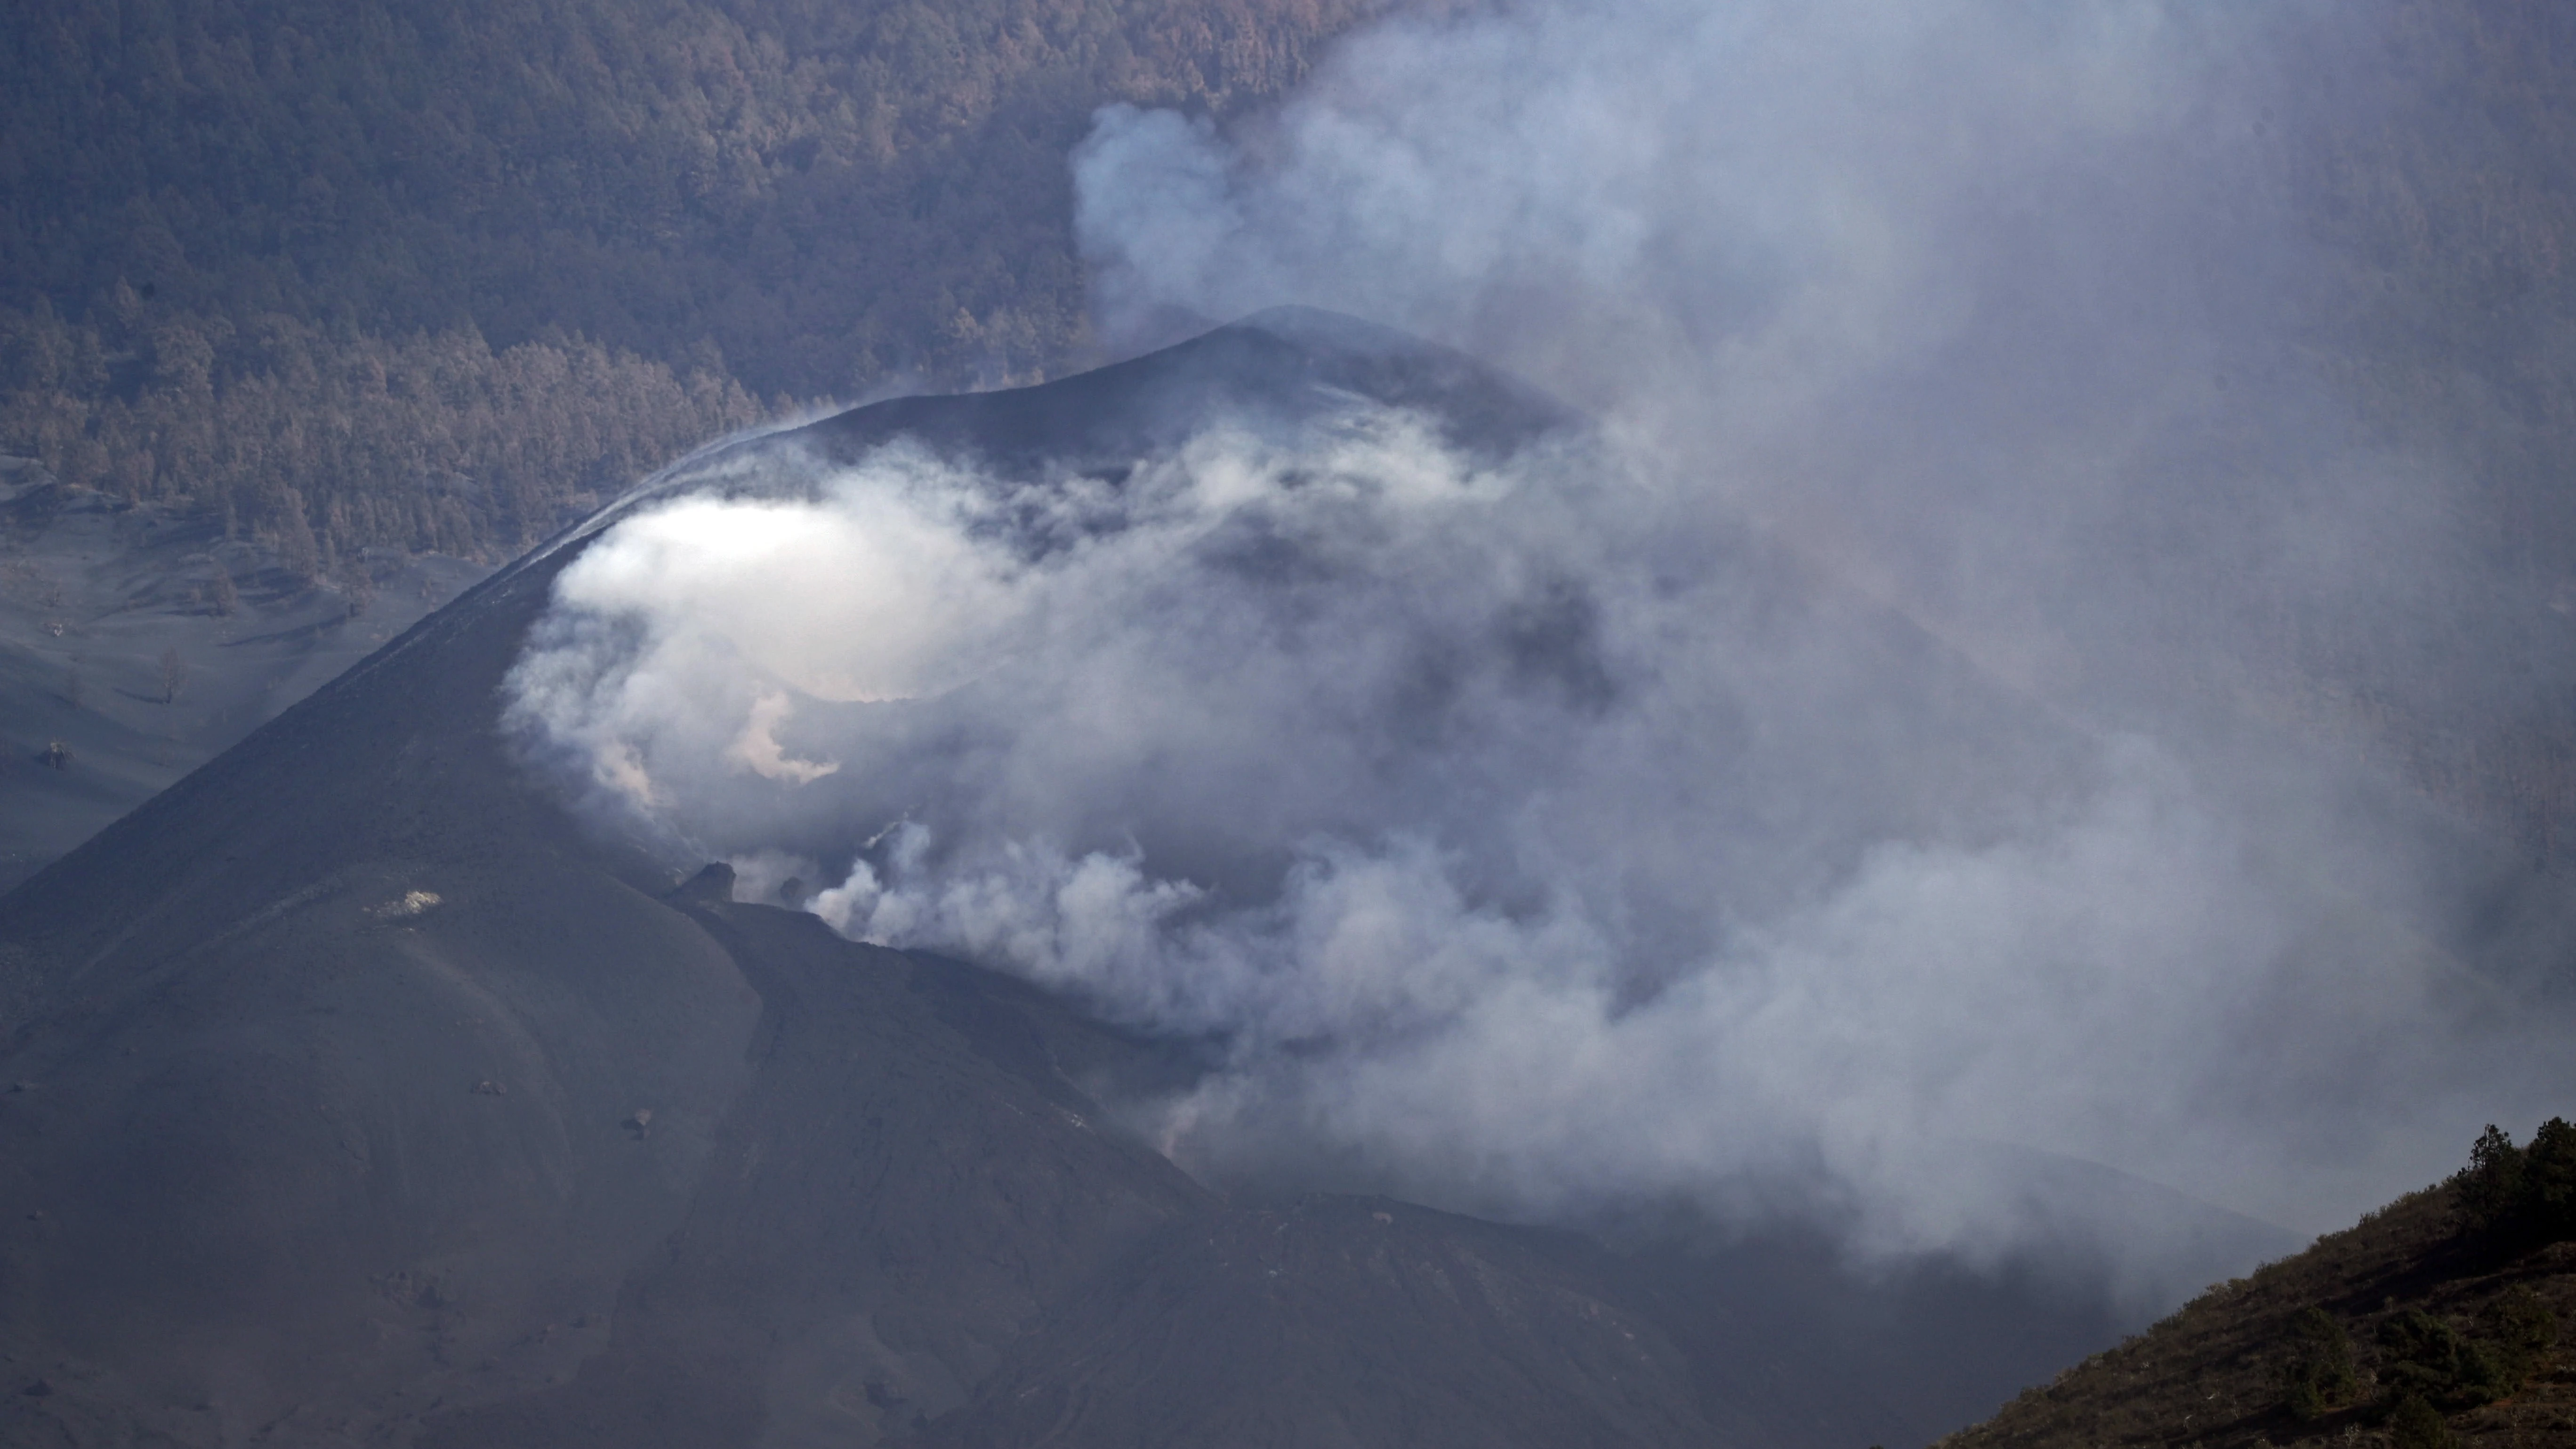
point(1937, 714)
point(363, 1092)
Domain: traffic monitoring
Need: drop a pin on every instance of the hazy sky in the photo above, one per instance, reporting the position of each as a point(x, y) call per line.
point(1765, 799)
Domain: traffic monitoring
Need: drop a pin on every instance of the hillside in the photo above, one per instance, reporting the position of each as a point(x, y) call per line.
point(364, 299)
point(441, 277)
point(2405, 1305)
point(361, 1092)
point(433, 276)
point(137, 642)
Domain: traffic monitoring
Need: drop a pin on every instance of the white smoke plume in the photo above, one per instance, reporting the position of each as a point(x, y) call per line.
point(1538, 832)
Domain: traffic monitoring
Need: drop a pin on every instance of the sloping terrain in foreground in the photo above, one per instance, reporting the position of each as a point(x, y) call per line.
point(2400, 1306)
point(353, 1092)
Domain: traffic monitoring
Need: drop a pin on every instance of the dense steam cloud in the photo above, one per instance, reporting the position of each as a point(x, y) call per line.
point(1732, 803)
point(1996, 307)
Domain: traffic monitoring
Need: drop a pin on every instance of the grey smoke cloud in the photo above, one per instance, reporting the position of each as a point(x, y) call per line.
point(1946, 291)
point(1539, 832)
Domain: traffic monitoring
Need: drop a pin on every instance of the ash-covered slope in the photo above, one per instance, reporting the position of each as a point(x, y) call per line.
point(137, 642)
point(356, 1092)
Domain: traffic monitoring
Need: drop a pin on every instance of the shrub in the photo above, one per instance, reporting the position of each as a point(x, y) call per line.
point(2513, 1332)
point(2429, 1359)
point(2416, 1424)
point(2318, 1378)
point(2425, 1356)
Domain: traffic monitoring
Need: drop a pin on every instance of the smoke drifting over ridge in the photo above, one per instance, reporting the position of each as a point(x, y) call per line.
point(1539, 830)
point(1989, 304)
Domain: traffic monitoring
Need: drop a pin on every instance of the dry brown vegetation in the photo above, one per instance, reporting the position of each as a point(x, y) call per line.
point(2221, 1373)
point(433, 276)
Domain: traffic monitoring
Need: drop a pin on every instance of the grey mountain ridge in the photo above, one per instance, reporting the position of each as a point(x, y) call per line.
point(366, 1095)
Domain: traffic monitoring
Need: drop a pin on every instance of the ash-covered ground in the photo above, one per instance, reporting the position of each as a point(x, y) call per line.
point(137, 642)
